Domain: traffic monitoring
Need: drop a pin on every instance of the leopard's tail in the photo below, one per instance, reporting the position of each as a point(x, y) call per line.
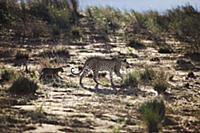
point(78, 72)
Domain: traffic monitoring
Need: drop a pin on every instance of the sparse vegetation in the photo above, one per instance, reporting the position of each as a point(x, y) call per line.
point(53, 33)
point(183, 23)
point(8, 75)
point(106, 20)
point(36, 19)
point(180, 22)
point(148, 75)
point(153, 113)
point(20, 55)
point(132, 79)
point(23, 85)
point(160, 83)
point(39, 109)
point(160, 86)
point(59, 52)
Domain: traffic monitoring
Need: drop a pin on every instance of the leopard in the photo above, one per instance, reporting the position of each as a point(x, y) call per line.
point(97, 64)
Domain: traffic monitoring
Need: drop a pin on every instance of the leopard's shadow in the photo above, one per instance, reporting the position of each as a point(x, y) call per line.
point(117, 90)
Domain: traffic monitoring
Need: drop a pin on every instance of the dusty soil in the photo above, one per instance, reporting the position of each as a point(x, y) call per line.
point(63, 106)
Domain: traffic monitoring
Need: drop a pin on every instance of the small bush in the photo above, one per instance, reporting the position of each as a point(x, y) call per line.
point(60, 16)
point(135, 44)
point(153, 113)
point(8, 75)
point(61, 52)
point(160, 84)
point(131, 79)
point(46, 62)
point(106, 19)
point(23, 85)
point(183, 24)
point(148, 75)
point(47, 54)
point(21, 55)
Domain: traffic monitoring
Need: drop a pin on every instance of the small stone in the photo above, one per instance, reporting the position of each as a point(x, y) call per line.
point(191, 75)
point(185, 64)
point(171, 78)
point(187, 85)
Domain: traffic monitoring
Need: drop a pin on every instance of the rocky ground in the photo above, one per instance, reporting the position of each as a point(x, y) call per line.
point(63, 106)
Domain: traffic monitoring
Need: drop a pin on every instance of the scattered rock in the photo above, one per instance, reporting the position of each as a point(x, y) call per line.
point(193, 56)
point(136, 44)
point(171, 78)
point(185, 64)
point(191, 75)
point(187, 85)
point(165, 49)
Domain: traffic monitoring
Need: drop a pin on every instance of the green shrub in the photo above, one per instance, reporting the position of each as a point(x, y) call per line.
point(160, 86)
point(180, 22)
point(131, 79)
point(55, 13)
point(183, 24)
point(23, 85)
point(40, 10)
point(8, 75)
point(151, 21)
point(106, 18)
point(8, 11)
point(3, 12)
point(148, 75)
point(61, 52)
point(153, 113)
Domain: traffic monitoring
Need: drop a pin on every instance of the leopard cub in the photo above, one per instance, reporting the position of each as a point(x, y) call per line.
point(53, 72)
